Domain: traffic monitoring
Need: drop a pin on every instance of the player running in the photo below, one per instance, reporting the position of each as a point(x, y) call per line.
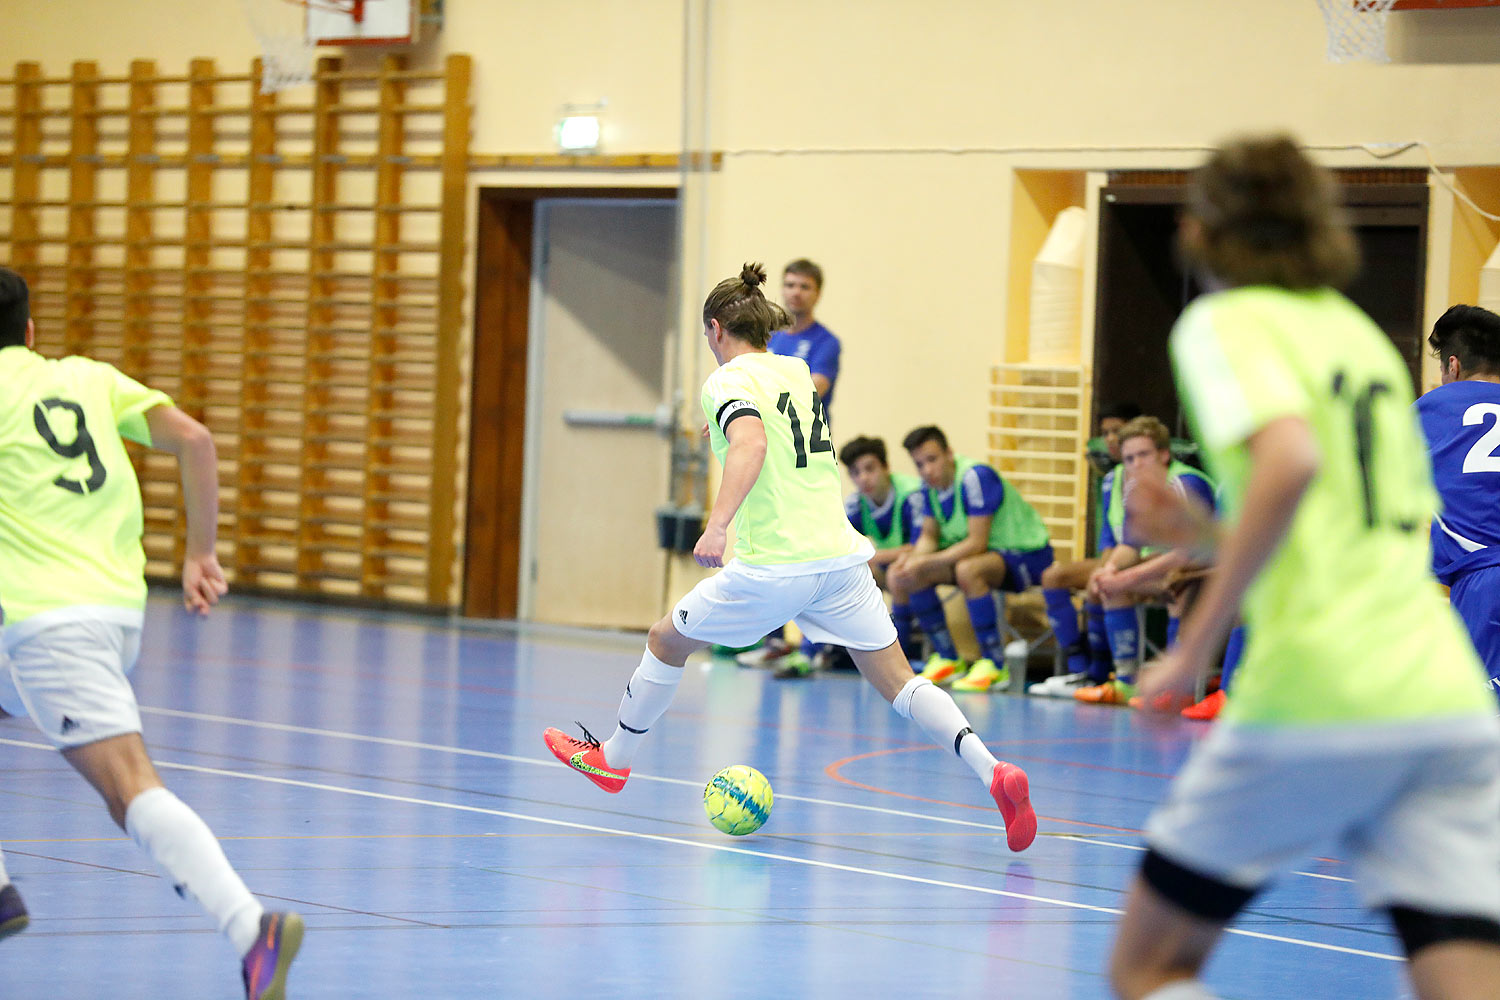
point(796, 558)
point(1359, 714)
point(74, 599)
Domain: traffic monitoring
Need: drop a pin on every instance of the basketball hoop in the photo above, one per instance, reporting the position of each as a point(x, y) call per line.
point(1356, 29)
point(288, 58)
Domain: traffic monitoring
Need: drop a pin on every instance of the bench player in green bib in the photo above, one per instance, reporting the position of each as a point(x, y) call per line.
point(978, 533)
point(885, 509)
point(796, 558)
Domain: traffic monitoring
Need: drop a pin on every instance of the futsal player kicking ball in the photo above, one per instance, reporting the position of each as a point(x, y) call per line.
point(74, 598)
point(797, 558)
point(1360, 712)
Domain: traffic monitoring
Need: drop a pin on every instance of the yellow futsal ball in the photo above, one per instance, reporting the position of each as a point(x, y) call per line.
point(738, 800)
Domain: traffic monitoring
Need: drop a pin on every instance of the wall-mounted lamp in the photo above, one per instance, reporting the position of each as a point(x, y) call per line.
point(578, 130)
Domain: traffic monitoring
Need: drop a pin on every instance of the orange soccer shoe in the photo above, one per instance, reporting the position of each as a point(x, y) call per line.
point(1208, 709)
point(1108, 693)
point(1011, 791)
point(586, 757)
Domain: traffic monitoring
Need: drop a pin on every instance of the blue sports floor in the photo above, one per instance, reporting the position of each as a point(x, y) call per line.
point(386, 777)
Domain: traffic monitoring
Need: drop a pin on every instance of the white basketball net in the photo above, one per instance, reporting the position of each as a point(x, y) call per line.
point(1356, 29)
point(287, 57)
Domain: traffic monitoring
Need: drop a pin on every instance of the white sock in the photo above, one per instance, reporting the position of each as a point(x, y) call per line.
point(4, 875)
point(941, 719)
point(1182, 989)
point(647, 696)
point(184, 848)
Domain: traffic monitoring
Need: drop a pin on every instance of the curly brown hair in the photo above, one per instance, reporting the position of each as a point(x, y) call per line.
point(1267, 215)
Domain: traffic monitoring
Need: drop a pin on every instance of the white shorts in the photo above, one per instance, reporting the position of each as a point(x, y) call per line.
point(1418, 820)
point(10, 699)
point(71, 677)
point(740, 604)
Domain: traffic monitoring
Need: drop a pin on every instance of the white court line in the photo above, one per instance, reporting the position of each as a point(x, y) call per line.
point(544, 762)
point(538, 761)
point(712, 846)
point(1141, 848)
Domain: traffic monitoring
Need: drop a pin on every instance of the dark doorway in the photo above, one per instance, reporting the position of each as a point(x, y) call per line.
point(1141, 288)
point(497, 424)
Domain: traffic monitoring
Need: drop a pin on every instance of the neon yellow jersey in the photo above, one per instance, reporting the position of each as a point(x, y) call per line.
point(1345, 622)
point(794, 514)
point(70, 506)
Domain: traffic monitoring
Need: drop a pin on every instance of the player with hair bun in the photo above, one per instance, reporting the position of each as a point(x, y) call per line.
point(796, 558)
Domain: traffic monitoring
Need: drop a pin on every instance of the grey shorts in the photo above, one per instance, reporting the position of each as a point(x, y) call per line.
point(1415, 810)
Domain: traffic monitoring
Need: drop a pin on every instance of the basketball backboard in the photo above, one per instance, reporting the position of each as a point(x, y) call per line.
point(362, 22)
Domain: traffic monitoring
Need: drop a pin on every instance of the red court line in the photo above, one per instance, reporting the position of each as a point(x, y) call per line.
point(832, 770)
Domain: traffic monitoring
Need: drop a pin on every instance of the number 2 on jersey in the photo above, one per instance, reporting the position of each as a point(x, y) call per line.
point(819, 441)
point(81, 446)
point(1481, 457)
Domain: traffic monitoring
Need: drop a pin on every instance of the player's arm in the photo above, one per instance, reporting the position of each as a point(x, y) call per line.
point(198, 462)
point(1284, 459)
point(743, 460)
point(1102, 581)
point(927, 540)
point(1150, 574)
point(972, 544)
point(824, 364)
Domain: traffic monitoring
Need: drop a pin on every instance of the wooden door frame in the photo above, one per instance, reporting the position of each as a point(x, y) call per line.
point(497, 413)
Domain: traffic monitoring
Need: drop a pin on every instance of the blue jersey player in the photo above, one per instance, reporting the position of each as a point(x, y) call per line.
point(1461, 421)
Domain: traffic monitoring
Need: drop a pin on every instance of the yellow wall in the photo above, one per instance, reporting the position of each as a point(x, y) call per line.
point(881, 138)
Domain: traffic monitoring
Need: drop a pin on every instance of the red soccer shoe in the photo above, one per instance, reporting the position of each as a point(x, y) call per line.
point(1011, 792)
point(585, 757)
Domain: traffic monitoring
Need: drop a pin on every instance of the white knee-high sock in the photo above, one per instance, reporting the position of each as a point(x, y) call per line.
point(941, 719)
point(4, 875)
point(185, 849)
point(1182, 989)
point(647, 697)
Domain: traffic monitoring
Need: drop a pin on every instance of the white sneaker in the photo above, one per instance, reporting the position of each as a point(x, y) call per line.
point(1059, 685)
point(764, 655)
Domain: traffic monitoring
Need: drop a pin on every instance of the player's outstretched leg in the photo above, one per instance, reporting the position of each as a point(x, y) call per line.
point(186, 851)
point(934, 710)
point(13, 916)
point(648, 695)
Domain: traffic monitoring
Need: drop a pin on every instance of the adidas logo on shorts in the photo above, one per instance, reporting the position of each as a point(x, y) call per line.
point(683, 615)
point(68, 725)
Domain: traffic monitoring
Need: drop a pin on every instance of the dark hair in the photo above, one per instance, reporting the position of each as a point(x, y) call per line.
point(742, 310)
point(1470, 334)
point(1269, 216)
point(860, 447)
point(807, 269)
point(1148, 427)
point(1123, 412)
point(922, 435)
point(15, 308)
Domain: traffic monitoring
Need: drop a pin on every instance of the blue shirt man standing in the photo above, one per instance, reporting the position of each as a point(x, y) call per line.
point(801, 286)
